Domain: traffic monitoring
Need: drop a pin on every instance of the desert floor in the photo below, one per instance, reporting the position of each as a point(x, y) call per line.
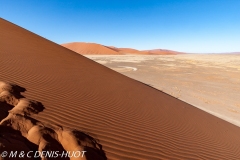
point(209, 82)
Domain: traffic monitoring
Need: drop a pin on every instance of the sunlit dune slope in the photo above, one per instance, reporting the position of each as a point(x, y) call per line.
point(131, 120)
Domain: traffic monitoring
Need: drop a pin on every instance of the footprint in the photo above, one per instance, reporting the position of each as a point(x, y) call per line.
point(20, 132)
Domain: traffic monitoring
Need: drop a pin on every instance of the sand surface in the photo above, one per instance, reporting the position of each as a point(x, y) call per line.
point(70, 102)
point(162, 52)
point(209, 82)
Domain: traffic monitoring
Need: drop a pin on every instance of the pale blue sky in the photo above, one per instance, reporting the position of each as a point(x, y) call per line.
point(199, 26)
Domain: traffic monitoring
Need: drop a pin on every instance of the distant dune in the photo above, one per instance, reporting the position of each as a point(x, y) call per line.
point(98, 49)
point(90, 48)
point(162, 52)
point(53, 99)
point(131, 51)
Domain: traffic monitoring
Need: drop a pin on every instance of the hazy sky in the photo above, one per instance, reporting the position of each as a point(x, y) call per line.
point(181, 25)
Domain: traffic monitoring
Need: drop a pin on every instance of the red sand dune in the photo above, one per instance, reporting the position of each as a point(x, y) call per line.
point(162, 52)
point(74, 96)
point(131, 51)
point(89, 48)
point(93, 48)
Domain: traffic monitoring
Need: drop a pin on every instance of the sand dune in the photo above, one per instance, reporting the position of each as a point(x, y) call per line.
point(90, 48)
point(162, 52)
point(89, 102)
point(97, 49)
point(131, 51)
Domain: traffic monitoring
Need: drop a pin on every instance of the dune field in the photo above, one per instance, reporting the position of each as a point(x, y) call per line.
point(52, 98)
point(98, 49)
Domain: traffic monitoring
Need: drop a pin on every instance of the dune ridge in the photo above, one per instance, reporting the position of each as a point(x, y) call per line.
point(98, 49)
point(130, 119)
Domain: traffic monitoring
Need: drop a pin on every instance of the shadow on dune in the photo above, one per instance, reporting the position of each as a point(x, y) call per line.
point(11, 100)
point(21, 132)
point(12, 141)
point(54, 145)
point(17, 90)
point(92, 154)
point(91, 145)
point(4, 108)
